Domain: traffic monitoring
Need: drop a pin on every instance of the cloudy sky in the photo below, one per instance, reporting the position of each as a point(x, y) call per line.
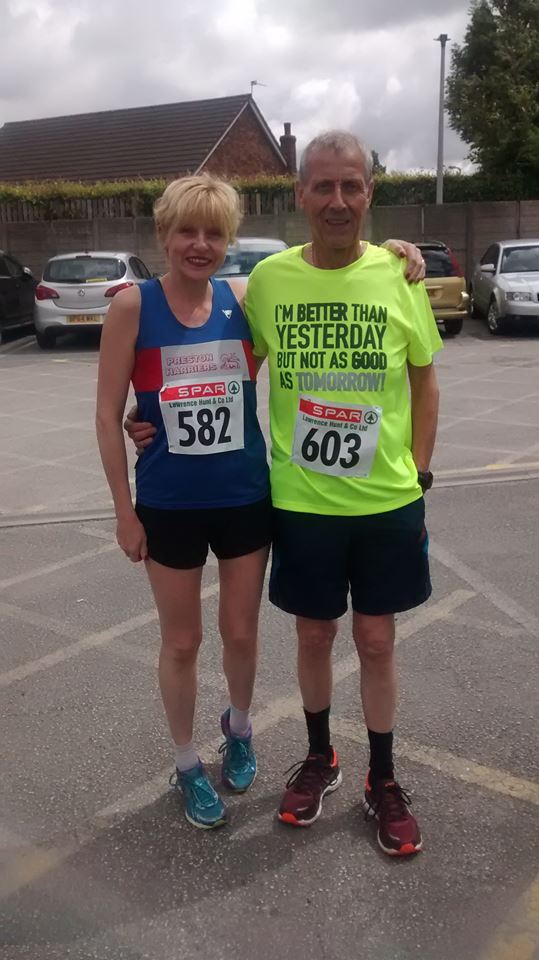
point(370, 66)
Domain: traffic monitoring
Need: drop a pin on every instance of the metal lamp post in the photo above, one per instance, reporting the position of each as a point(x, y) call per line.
point(442, 40)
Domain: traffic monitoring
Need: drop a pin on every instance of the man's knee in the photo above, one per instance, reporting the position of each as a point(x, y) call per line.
point(316, 637)
point(374, 638)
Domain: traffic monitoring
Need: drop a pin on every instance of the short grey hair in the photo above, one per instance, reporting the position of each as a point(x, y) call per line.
point(341, 142)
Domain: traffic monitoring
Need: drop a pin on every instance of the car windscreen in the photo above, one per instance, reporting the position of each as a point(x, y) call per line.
point(520, 260)
point(84, 270)
point(438, 263)
point(238, 261)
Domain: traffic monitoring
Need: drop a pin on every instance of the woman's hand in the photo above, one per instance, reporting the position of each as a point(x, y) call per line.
point(415, 267)
point(131, 537)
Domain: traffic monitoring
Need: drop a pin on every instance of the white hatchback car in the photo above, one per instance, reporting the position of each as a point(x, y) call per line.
point(77, 288)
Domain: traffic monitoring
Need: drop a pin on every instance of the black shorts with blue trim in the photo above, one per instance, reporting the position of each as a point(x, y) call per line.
point(380, 560)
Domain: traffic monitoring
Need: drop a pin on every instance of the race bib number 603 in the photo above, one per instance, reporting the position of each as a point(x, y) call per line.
point(337, 439)
point(203, 416)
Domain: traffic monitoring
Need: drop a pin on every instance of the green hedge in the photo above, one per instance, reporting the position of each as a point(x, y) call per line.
point(390, 190)
point(60, 198)
point(395, 189)
point(41, 192)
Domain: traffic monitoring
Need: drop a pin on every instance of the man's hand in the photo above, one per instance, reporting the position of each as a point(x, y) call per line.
point(141, 434)
point(415, 268)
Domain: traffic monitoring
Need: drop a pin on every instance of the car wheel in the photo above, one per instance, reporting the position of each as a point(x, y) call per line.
point(46, 339)
point(474, 312)
point(452, 327)
point(494, 319)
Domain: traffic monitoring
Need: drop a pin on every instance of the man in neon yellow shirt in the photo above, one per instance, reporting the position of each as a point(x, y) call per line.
point(353, 414)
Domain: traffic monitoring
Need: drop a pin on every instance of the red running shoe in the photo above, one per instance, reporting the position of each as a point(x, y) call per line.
point(307, 786)
point(398, 832)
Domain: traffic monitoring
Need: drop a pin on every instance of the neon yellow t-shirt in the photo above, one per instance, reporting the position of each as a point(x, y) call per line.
point(338, 343)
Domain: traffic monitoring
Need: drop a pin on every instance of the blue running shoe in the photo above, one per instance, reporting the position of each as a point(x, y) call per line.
point(239, 760)
point(203, 807)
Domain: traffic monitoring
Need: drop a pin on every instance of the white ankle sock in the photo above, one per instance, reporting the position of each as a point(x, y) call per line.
point(186, 756)
point(240, 722)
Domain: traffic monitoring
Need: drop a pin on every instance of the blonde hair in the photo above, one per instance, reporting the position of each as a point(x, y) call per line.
point(201, 199)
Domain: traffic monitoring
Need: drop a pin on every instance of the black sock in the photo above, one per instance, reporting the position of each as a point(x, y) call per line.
point(318, 730)
point(381, 762)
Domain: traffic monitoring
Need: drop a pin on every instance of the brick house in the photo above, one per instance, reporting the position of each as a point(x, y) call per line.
point(227, 135)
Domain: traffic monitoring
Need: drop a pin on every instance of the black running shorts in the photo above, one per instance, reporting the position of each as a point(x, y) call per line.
point(381, 560)
point(181, 538)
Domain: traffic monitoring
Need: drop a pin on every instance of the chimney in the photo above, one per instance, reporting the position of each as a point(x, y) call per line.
point(288, 149)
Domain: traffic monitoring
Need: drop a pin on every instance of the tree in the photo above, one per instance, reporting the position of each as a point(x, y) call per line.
point(377, 166)
point(493, 86)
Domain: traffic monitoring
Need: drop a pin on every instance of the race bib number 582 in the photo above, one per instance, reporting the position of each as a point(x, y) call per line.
point(337, 439)
point(203, 417)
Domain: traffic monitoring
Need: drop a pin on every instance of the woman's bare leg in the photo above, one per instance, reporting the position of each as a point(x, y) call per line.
point(177, 597)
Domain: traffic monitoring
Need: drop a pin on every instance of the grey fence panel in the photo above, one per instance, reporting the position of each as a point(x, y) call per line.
point(467, 228)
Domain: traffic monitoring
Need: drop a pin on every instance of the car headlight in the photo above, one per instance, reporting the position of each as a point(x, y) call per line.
point(519, 296)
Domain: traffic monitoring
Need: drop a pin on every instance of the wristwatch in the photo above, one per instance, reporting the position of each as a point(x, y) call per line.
point(425, 479)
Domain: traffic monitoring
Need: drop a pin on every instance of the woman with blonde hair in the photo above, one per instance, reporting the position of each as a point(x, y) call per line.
point(185, 345)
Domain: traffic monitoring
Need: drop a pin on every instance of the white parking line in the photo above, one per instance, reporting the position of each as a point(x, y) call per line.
point(53, 567)
point(486, 468)
point(458, 768)
point(36, 862)
point(288, 707)
point(38, 620)
point(16, 345)
point(90, 642)
point(502, 601)
point(36, 509)
point(93, 530)
point(489, 626)
point(498, 406)
point(522, 453)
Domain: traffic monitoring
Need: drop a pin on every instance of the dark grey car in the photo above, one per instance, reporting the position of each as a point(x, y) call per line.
point(16, 294)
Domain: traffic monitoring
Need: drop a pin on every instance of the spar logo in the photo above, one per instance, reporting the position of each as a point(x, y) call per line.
point(371, 417)
point(324, 411)
point(194, 391)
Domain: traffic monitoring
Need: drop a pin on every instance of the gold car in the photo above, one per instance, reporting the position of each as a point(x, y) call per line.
point(445, 285)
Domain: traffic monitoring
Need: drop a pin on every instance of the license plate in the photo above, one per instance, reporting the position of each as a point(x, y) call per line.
point(85, 318)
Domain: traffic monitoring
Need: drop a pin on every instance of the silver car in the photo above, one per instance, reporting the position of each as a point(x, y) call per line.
point(505, 284)
point(76, 291)
point(243, 255)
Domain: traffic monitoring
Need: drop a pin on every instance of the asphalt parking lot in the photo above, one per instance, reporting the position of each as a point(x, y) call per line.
point(97, 860)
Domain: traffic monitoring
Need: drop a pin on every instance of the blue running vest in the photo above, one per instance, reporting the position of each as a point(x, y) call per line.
point(214, 358)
